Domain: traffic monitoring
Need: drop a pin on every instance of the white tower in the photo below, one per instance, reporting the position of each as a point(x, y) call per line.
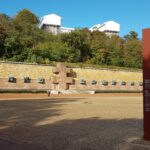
point(51, 23)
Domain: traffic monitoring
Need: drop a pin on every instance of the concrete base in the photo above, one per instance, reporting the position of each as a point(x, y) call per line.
point(72, 92)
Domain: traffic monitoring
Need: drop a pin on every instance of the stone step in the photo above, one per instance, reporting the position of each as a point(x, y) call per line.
point(72, 92)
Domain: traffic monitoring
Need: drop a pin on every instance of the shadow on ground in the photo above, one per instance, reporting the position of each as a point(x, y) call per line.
point(19, 129)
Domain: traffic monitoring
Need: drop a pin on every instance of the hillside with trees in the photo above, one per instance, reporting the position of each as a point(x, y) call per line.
point(22, 41)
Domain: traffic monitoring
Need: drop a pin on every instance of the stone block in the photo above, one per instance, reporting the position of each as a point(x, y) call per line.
point(55, 70)
point(91, 92)
point(68, 70)
point(54, 92)
point(69, 80)
point(55, 80)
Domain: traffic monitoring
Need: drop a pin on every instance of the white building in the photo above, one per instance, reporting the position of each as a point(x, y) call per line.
point(52, 23)
point(109, 27)
point(66, 30)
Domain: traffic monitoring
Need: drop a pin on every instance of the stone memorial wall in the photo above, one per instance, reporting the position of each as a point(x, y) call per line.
point(60, 77)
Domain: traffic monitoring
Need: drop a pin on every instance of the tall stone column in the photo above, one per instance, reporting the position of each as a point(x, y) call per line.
point(146, 82)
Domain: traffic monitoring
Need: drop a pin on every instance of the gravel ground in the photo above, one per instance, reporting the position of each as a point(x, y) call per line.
point(98, 122)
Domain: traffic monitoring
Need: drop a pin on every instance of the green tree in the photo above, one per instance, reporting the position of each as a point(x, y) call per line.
point(133, 53)
point(52, 51)
point(79, 43)
point(26, 16)
point(132, 35)
point(5, 21)
point(132, 50)
point(3, 36)
point(114, 50)
point(23, 35)
point(98, 47)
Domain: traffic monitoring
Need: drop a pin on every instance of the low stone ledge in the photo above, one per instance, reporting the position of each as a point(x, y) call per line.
point(72, 92)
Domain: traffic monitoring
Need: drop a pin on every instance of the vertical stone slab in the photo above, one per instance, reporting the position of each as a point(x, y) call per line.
point(62, 78)
point(146, 82)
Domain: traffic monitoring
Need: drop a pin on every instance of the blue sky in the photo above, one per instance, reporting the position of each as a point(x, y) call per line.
point(131, 14)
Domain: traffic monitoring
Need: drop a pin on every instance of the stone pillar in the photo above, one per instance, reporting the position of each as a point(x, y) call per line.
point(62, 77)
point(146, 82)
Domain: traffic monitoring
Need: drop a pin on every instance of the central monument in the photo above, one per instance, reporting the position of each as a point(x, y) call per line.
point(62, 77)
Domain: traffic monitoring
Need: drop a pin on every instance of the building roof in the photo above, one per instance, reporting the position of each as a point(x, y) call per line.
point(51, 19)
point(107, 26)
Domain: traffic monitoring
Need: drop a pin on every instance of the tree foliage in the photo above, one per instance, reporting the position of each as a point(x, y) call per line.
point(26, 16)
point(22, 40)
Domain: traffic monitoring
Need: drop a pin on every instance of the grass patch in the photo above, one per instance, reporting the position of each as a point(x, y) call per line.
point(23, 91)
point(118, 91)
point(80, 65)
point(83, 65)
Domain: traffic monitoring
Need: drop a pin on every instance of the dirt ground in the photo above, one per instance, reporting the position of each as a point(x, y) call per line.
point(43, 96)
point(71, 122)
